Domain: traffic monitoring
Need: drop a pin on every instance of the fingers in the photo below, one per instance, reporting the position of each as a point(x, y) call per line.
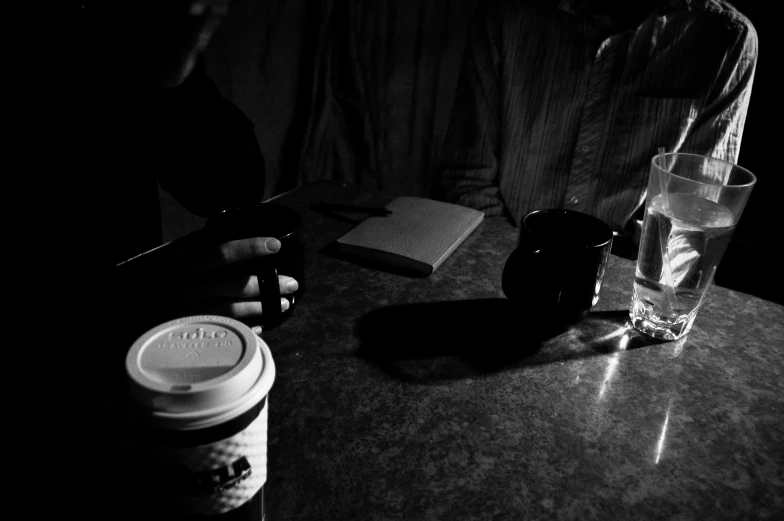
point(287, 284)
point(162, 310)
point(232, 252)
point(196, 254)
point(241, 286)
point(244, 249)
point(240, 309)
point(235, 296)
point(228, 286)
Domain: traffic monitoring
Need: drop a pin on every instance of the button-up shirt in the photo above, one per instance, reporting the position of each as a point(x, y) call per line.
point(559, 108)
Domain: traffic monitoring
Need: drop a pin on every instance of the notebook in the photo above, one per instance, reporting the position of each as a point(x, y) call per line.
point(415, 238)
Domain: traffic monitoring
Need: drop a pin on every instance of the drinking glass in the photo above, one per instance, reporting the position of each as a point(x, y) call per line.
point(693, 205)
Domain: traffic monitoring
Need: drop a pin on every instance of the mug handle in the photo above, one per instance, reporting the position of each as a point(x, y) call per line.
point(269, 293)
point(518, 263)
point(228, 225)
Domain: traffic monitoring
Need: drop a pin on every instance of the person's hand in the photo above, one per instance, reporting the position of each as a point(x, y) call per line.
point(193, 276)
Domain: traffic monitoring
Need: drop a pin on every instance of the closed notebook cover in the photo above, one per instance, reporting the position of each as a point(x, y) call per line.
point(416, 237)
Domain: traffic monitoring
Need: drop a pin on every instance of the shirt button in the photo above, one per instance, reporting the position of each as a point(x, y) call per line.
point(595, 96)
point(574, 200)
point(585, 149)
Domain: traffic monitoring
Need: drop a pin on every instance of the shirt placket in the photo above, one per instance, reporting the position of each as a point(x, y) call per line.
point(579, 188)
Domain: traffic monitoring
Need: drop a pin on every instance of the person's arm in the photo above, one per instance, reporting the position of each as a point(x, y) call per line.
point(209, 157)
point(718, 130)
point(468, 171)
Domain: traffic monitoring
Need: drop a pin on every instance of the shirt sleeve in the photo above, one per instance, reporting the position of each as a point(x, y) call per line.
point(468, 172)
point(718, 129)
point(209, 157)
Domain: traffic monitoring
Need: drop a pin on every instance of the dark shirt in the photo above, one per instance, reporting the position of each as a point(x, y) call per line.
point(198, 146)
point(104, 140)
point(122, 137)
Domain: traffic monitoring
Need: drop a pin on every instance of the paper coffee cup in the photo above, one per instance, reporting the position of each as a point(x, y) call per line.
point(201, 385)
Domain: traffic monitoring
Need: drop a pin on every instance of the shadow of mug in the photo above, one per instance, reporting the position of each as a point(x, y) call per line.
point(441, 341)
point(437, 342)
point(558, 265)
point(267, 220)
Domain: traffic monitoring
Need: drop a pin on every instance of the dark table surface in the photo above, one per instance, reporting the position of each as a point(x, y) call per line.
point(425, 398)
point(428, 398)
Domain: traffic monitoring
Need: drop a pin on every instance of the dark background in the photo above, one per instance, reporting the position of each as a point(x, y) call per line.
point(754, 258)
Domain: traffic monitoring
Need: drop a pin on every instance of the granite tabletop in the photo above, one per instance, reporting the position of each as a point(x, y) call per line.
point(426, 398)
point(429, 398)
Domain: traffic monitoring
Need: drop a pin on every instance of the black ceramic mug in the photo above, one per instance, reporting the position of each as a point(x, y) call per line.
point(558, 266)
point(267, 220)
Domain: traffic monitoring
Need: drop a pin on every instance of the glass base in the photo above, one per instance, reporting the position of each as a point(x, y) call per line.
point(670, 327)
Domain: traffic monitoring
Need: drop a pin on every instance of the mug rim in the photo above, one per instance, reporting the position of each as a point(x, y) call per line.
point(606, 230)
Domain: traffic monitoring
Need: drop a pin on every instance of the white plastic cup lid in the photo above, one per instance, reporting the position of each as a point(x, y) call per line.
point(198, 371)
